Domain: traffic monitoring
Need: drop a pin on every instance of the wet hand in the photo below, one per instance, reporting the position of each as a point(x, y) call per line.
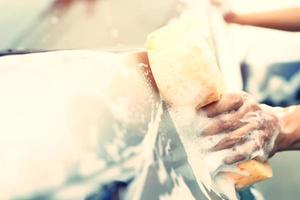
point(249, 128)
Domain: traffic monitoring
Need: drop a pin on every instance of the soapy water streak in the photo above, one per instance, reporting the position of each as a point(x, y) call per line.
point(151, 158)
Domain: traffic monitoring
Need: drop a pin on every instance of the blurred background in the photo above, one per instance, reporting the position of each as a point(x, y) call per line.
point(124, 24)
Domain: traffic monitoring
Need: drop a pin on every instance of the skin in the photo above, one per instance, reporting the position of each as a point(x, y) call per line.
point(289, 139)
point(232, 115)
point(287, 19)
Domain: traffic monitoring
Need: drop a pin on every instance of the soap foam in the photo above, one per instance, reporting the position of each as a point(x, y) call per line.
point(206, 165)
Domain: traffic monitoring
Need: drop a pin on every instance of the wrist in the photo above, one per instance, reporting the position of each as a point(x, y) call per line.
point(289, 135)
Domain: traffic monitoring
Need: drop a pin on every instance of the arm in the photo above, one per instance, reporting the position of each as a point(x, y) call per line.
point(287, 19)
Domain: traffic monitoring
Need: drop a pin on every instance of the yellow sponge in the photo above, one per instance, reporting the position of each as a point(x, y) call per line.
point(183, 64)
point(255, 171)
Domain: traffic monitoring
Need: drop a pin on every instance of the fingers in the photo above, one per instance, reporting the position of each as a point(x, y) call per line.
point(232, 121)
point(223, 124)
point(235, 158)
point(236, 137)
point(244, 152)
point(226, 104)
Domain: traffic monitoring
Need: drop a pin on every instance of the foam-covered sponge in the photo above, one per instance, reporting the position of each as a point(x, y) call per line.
point(184, 67)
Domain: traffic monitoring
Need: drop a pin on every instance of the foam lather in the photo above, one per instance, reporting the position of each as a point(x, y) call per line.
point(184, 67)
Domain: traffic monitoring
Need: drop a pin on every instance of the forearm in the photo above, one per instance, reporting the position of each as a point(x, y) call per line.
point(289, 137)
point(287, 19)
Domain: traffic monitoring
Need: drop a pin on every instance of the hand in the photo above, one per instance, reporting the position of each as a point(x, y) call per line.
point(249, 129)
point(228, 15)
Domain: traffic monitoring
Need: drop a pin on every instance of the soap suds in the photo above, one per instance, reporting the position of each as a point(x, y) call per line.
point(210, 167)
point(204, 164)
